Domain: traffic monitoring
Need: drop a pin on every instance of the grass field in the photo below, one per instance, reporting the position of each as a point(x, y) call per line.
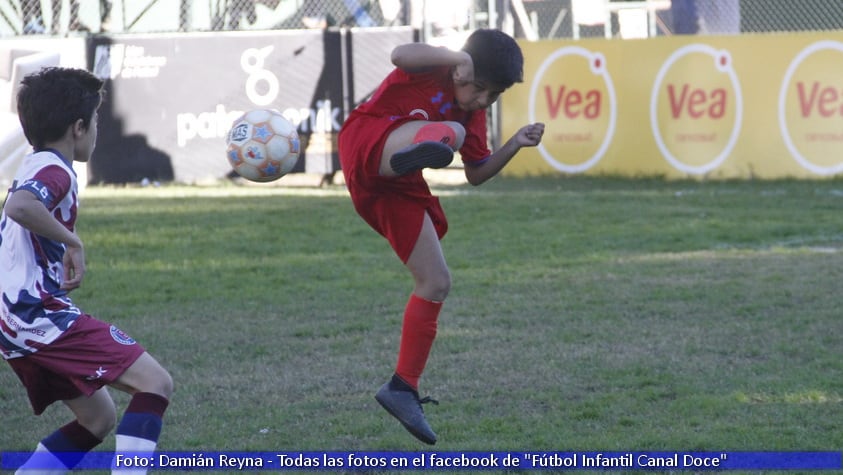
point(585, 314)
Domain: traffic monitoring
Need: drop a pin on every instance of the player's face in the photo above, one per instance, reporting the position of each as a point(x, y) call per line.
point(86, 143)
point(476, 95)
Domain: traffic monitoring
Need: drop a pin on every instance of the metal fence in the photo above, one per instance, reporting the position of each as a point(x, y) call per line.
point(635, 19)
point(532, 19)
point(74, 17)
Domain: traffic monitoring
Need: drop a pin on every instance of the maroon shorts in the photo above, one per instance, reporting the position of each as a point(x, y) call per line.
point(89, 355)
point(393, 206)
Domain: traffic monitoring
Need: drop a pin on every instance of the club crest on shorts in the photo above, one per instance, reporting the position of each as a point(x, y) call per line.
point(121, 337)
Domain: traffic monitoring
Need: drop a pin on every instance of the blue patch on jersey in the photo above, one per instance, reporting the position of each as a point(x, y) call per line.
point(121, 337)
point(38, 189)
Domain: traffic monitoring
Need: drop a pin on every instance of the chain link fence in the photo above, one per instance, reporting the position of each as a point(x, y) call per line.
point(531, 19)
point(75, 17)
point(640, 19)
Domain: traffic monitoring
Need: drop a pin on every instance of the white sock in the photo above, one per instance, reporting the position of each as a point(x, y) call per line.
point(126, 444)
point(42, 462)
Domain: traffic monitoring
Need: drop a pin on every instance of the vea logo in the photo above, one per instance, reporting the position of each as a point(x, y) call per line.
point(573, 94)
point(696, 108)
point(811, 108)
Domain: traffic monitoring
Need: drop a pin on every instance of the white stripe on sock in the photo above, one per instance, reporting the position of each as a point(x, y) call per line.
point(44, 462)
point(131, 446)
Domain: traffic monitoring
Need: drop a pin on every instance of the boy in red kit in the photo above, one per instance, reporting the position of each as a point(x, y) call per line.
point(432, 104)
point(59, 352)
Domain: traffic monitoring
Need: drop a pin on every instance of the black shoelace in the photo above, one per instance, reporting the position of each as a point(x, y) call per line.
point(428, 399)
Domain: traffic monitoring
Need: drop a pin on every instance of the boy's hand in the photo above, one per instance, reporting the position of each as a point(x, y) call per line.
point(74, 267)
point(530, 135)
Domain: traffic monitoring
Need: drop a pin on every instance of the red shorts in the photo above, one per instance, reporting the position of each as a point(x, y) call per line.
point(393, 206)
point(89, 355)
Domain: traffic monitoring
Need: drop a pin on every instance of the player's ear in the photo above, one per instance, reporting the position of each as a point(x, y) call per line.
point(79, 128)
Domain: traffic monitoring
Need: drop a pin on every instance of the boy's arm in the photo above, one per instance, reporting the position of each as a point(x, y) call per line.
point(413, 57)
point(527, 136)
point(27, 210)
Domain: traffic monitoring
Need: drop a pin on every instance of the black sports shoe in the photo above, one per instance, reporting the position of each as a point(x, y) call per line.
point(421, 155)
point(403, 403)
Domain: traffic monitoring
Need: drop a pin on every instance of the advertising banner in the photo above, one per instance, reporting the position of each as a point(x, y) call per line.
point(749, 106)
point(171, 99)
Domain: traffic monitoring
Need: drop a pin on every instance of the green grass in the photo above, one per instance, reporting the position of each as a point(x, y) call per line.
point(586, 314)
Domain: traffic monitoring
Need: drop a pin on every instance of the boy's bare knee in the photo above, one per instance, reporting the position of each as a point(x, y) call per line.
point(160, 383)
point(99, 423)
point(166, 385)
point(435, 289)
point(442, 291)
point(146, 375)
point(459, 132)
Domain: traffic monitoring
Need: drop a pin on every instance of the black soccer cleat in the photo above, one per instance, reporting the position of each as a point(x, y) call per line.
point(403, 403)
point(421, 155)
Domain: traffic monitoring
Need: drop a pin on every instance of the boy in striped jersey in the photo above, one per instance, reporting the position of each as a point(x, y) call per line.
point(59, 352)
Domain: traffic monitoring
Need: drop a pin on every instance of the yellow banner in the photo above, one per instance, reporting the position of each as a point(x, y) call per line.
point(749, 106)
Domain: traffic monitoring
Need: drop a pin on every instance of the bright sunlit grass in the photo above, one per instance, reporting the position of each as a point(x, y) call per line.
point(585, 314)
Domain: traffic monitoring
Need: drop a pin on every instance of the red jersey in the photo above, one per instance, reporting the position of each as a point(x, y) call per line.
point(395, 206)
point(429, 96)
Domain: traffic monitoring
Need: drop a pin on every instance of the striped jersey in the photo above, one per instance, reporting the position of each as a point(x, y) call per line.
point(35, 310)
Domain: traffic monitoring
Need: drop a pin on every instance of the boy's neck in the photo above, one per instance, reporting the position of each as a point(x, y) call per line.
point(57, 152)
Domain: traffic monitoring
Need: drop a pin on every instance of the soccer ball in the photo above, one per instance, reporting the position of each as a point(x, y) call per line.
point(262, 145)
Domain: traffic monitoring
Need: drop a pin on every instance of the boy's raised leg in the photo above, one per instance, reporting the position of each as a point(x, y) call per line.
point(421, 144)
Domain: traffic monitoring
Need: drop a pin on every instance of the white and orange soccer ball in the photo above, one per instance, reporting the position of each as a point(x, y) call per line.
point(262, 145)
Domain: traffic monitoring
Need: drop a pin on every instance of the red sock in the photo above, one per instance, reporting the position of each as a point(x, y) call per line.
point(417, 335)
point(69, 444)
point(81, 438)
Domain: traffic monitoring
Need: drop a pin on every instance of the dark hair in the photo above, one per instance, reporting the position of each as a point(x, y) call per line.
point(497, 57)
point(53, 99)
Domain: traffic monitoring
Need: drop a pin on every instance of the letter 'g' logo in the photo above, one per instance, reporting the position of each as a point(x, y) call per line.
point(252, 61)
